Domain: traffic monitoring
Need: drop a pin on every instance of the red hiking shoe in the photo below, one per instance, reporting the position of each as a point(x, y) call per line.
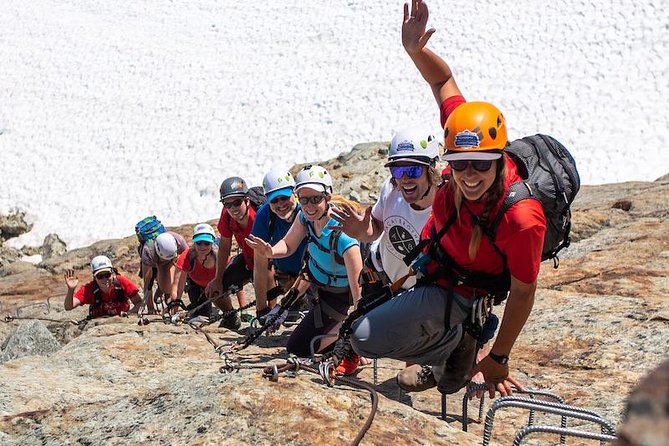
point(348, 366)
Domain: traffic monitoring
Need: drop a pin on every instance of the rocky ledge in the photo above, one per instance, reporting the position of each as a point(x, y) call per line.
point(600, 323)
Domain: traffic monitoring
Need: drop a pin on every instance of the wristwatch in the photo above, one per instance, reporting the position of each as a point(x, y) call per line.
point(500, 359)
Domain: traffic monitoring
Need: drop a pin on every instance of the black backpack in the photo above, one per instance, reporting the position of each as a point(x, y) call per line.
point(550, 176)
point(256, 196)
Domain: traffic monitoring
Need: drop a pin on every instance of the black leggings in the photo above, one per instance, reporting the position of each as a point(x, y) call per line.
point(300, 339)
point(196, 297)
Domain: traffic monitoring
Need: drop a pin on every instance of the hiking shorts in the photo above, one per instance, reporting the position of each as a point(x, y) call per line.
point(236, 274)
point(411, 327)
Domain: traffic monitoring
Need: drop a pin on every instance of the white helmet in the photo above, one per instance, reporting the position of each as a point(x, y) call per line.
point(277, 179)
point(166, 246)
point(314, 177)
point(415, 144)
point(101, 263)
point(203, 232)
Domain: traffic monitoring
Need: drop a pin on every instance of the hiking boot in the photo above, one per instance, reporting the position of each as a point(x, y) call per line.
point(458, 364)
point(261, 315)
point(232, 322)
point(416, 378)
point(348, 366)
point(246, 317)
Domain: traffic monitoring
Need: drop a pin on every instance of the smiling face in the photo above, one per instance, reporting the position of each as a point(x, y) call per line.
point(412, 189)
point(314, 203)
point(236, 206)
point(283, 206)
point(474, 183)
point(105, 280)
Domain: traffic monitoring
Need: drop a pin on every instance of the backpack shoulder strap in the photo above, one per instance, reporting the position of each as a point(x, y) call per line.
point(118, 291)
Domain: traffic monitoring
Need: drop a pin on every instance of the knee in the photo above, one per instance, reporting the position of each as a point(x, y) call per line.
point(361, 337)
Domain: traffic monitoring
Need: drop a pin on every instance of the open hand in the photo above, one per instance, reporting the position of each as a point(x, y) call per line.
point(259, 245)
point(351, 222)
point(414, 35)
point(71, 279)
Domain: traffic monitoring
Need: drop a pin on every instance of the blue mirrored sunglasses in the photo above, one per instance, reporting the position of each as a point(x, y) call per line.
point(412, 172)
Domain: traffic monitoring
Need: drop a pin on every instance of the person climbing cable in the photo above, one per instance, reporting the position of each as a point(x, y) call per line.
point(108, 294)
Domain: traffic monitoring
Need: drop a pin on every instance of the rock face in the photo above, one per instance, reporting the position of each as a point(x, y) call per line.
point(599, 323)
point(13, 225)
point(647, 412)
point(30, 338)
point(53, 247)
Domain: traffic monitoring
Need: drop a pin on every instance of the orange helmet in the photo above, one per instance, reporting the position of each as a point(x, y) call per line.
point(475, 131)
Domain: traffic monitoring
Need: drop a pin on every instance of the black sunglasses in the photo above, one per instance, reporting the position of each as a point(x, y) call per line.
point(315, 199)
point(280, 199)
point(203, 243)
point(236, 203)
point(103, 276)
point(480, 165)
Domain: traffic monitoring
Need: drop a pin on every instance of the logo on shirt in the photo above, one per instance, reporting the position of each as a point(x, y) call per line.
point(401, 235)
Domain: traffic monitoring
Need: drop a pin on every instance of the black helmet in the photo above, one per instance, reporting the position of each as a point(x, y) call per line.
point(233, 186)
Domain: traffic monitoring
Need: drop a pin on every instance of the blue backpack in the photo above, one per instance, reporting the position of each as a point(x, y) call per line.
point(148, 229)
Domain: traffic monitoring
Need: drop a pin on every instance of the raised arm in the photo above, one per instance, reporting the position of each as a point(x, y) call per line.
point(284, 247)
point(71, 281)
point(433, 68)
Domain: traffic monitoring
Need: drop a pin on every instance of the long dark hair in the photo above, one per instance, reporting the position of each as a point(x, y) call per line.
point(491, 197)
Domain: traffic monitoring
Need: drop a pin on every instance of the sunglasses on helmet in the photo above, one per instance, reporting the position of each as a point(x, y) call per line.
point(479, 165)
point(412, 172)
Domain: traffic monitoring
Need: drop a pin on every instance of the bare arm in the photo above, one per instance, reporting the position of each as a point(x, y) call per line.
point(179, 283)
point(353, 263)
point(71, 281)
point(284, 247)
point(261, 278)
point(433, 68)
point(518, 308)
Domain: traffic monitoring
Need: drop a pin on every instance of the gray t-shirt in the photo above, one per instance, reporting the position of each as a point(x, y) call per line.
point(151, 259)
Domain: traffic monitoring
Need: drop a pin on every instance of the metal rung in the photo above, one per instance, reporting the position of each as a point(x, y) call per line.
point(564, 410)
point(524, 432)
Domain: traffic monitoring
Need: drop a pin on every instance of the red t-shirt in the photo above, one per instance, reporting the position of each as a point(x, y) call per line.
point(448, 106)
point(110, 305)
point(228, 230)
point(200, 275)
point(520, 234)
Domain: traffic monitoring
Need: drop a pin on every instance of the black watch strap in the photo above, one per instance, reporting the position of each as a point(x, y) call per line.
point(500, 359)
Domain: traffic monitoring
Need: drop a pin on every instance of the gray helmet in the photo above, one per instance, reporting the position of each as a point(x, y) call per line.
point(233, 186)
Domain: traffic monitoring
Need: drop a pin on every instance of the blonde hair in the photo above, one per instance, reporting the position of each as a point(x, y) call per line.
point(340, 199)
point(491, 196)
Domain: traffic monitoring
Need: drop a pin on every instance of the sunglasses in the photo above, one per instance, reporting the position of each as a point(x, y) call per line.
point(203, 243)
point(412, 172)
point(280, 199)
point(103, 276)
point(480, 165)
point(230, 204)
point(314, 199)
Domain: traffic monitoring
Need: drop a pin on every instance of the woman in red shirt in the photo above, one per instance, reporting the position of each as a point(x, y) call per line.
point(426, 325)
point(197, 267)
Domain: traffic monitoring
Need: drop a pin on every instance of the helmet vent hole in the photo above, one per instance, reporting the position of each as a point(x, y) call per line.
point(492, 131)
